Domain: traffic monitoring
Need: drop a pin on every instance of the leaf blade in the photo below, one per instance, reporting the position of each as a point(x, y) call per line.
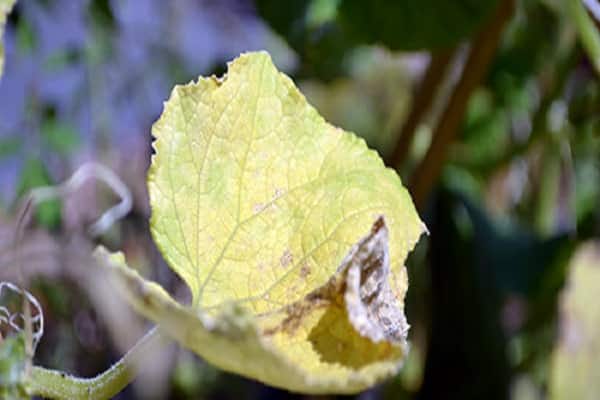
point(256, 201)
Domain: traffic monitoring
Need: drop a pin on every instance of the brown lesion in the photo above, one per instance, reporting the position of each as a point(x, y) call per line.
point(354, 319)
point(337, 341)
point(297, 312)
point(305, 270)
point(287, 258)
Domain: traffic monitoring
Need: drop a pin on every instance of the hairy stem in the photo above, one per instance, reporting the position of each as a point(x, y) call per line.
point(58, 385)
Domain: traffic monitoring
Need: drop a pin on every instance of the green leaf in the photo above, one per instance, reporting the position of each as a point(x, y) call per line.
point(575, 372)
point(5, 8)
point(279, 223)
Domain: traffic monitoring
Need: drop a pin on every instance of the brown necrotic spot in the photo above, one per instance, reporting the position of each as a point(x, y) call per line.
point(286, 258)
point(305, 270)
point(359, 318)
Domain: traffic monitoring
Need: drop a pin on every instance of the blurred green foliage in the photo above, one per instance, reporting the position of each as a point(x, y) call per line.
point(310, 28)
point(59, 137)
point(413, 24)
point(323, 32)
point(12, 367)
point(35, 174)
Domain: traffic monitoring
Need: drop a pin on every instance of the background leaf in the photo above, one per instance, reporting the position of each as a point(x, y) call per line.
point(575, 372)
point(324, 33)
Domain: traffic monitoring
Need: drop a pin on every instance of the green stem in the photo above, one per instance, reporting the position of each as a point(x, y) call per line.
point(58, 385)
point(424, 97)
point(588, 33)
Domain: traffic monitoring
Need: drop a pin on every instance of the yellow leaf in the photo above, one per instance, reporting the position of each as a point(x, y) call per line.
point(5, 8)
point(576, 359)
point(290, 233)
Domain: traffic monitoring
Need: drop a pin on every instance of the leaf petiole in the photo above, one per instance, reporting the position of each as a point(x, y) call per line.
point(59, 385)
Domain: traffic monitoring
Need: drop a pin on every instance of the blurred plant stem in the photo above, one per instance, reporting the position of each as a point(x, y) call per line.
point(480, 56)
point(59, 385)
point(424, 98)
point(588, 33)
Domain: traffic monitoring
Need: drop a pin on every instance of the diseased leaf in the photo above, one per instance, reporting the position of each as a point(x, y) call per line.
point(576, 359)
point(5, 8)
point(342, 337)
point(264, 210)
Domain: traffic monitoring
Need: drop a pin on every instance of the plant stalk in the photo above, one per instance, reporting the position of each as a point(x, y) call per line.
point(424, 97)
point(480, 56)
point(61, 386)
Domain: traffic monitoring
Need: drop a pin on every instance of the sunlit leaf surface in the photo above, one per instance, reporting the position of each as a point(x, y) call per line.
point(5, 7)
point(290, 233)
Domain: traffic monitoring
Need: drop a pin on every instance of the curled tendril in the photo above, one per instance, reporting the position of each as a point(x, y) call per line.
point(16, 320)
point(85, 172)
